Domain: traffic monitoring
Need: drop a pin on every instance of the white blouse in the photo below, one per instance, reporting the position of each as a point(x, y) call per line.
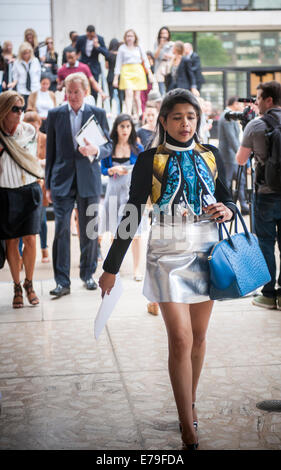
point(125, 55)
point(11, 175)
point(44, 102)
point(20, 74)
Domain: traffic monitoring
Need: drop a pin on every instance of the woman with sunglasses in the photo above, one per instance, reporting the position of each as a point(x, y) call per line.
point(20, 194)
point(184, 182)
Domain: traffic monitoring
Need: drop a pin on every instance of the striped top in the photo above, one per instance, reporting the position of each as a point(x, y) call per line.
point(11, 175)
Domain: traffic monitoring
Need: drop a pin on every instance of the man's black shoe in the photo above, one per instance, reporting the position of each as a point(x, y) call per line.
point(59, 291)
point(90, 284)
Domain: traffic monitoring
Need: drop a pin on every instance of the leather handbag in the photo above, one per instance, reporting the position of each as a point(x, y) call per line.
point(237, 265)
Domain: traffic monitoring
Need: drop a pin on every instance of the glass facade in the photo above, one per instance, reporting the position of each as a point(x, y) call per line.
point(248, 5)
point(221, 5)
point(235, 48)
point(185, 5)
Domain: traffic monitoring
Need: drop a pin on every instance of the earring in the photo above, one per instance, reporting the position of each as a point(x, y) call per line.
point(164, 139)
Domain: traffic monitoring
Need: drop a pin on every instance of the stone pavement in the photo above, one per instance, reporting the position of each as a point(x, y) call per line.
point(62, 389)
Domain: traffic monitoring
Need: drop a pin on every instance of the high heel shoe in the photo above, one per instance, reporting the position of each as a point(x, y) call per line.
point(18, 297)
point(189, 446)
point(32, 297)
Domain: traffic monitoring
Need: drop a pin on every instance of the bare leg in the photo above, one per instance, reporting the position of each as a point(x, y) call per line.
point(180, 339)
point(136, 250)
point(129, 101)
point(137, 96)
point(200, 316)
point(14, 258)
point(29, 255)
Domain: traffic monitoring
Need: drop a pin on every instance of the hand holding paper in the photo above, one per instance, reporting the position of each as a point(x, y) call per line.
point(88, 149)
point(108, 304)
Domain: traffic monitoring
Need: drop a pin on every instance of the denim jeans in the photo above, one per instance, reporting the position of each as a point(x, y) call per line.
point(267, 220)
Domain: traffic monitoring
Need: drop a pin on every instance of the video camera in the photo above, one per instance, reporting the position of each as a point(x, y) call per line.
point(245, 116)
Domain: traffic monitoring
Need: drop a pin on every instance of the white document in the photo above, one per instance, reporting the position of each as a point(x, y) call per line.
point(91, 131)
point(107, 306)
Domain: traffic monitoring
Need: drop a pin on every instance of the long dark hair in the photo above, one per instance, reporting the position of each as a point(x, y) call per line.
point(173, 97)
point(132, 141)
point(159, 32)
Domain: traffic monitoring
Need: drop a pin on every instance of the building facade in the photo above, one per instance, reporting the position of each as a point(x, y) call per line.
point(232, 35)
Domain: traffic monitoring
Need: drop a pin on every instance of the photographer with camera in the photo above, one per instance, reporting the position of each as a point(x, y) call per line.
point(262, 136)
point(229, 141)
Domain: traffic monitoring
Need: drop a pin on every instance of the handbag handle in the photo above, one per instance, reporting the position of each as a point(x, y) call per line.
point(223, 226)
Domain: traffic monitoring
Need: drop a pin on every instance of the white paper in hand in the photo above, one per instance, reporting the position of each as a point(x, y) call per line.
point(91, 131)
point(107, 306)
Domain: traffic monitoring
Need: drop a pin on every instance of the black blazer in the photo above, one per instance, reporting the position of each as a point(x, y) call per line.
point(196, 68)
point(184, 76)
point(93, 60)
point(64, 162)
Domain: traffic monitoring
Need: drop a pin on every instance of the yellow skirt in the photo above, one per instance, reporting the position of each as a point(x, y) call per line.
point(132, 77)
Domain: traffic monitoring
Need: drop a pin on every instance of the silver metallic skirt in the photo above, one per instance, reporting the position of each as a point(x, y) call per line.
point(177, 260)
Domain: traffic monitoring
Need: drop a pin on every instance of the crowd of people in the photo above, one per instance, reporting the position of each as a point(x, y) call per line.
point(157, 160)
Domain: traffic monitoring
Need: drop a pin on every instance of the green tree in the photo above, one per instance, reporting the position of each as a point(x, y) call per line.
point(211, 51)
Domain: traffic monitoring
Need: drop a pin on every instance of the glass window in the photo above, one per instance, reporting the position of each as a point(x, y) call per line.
point(240, 49)
point(185, 5)
point(248, 5)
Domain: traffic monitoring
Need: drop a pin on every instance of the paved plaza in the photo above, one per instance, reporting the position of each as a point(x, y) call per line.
point(62, 389)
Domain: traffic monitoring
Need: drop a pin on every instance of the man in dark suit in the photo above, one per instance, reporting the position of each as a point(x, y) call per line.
point(90, 45)
point(73, 174)
point(195, 65)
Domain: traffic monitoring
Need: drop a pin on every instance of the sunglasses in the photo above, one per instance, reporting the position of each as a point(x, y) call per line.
point(17, 109)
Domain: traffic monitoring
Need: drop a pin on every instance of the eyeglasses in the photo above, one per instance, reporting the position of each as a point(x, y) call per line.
point(17, 109)
point(50, 42)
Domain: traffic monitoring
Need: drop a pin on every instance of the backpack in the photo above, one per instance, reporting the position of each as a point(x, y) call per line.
point(272, 166)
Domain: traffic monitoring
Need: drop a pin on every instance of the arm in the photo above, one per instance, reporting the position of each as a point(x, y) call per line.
point(118, 65)
point(225, 206)
point(243, 155)
point(97, 87)
point(102, 47)
point(247, 145)
point(50, 149)
point(190, 76)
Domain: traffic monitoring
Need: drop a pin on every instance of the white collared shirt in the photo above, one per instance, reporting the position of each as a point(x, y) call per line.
point(20, 74)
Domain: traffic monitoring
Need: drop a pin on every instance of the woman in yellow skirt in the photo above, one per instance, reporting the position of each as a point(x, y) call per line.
point(131, 66)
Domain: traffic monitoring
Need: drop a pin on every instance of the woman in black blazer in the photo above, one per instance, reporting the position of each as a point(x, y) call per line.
point(181, 74)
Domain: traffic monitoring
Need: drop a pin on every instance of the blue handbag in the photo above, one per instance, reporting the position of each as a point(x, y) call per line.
point(237, 265)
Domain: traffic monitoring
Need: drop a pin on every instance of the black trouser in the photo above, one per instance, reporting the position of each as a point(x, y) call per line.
point(88, 227)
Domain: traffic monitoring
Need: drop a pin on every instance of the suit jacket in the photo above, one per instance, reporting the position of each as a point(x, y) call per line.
point(93, 60)
point(229, 142)
point(196, 68)
point(64, 162)
point(184, 76)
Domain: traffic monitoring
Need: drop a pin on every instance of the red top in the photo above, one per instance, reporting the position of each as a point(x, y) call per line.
point(65, 70)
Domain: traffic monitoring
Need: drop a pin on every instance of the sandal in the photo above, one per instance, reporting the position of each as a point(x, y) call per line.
point(30, 294)
point(18, 297)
